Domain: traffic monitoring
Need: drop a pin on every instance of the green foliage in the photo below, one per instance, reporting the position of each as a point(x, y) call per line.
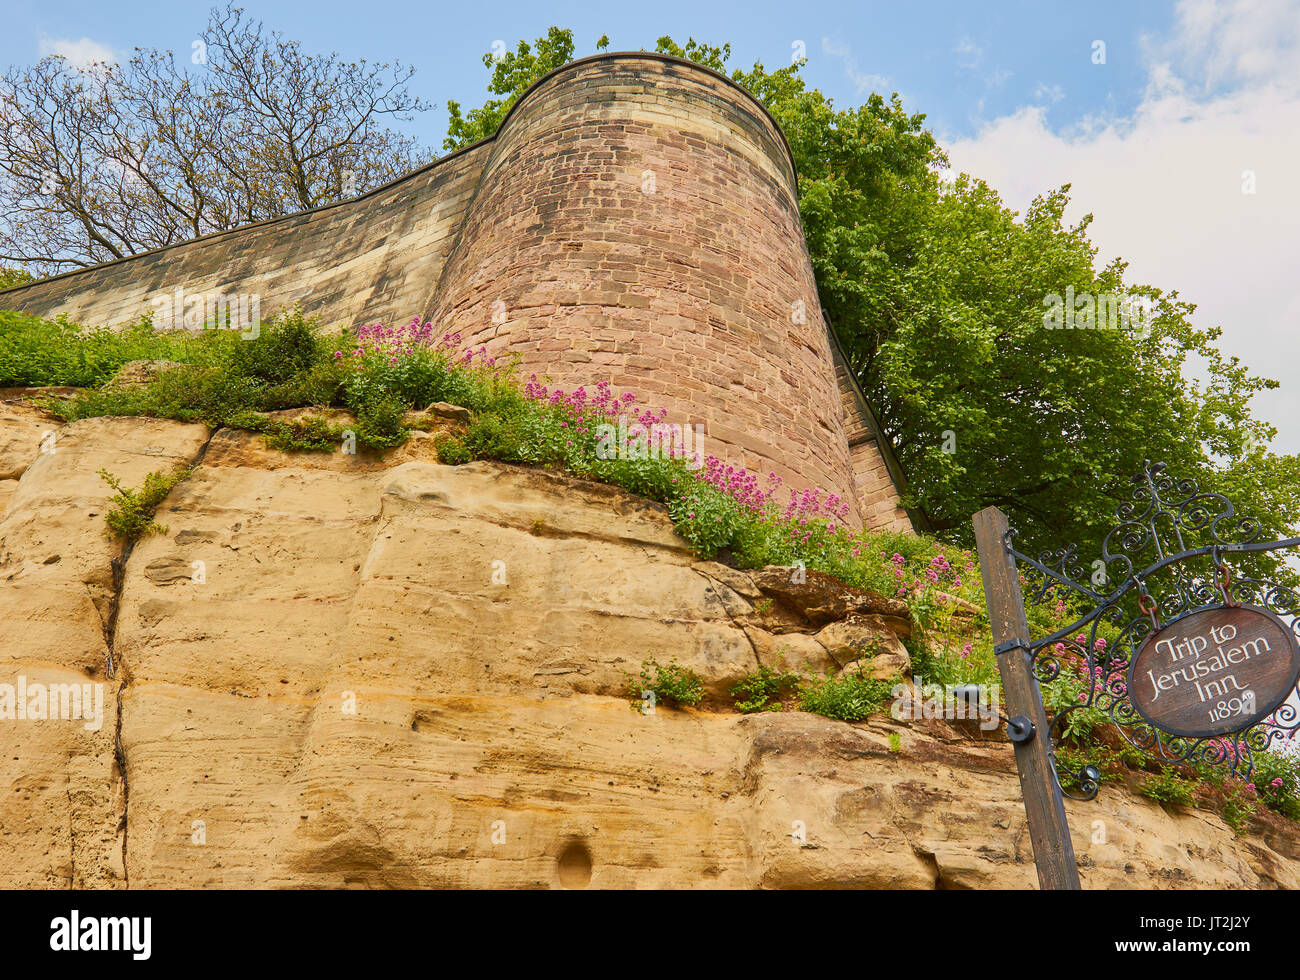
point(673, 684)
point(511, 77)
point(14, 277)
point(895, 742)
point(453, 452)
point(1276, 778)
point(1168, 788)
point(1069, 690)
point(379, 423)
point(496, 436)
point(763, 689)
point(307, 433)
point(708, 519)
point(1112, 763)
point(704, 54)
point(852, 697)
point(288, 348)
point(55, 352)
point(1238, 807)
point(131, 515)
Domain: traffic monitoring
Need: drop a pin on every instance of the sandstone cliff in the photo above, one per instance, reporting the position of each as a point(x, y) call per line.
point(384, 672)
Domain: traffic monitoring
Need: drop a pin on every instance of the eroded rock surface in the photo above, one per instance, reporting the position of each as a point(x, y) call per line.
point(354, 671)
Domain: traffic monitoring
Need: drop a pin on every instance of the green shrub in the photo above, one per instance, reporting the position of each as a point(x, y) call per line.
point(284, 349)
point(673, 684)
point(307, 433)
point(852, 697)
point(1238, 806)
point(762, 690)
point(1168, 788)
point(493, 436)
point(1276, 777)
point(379, 423)
point(131, 515)
point(321, 384)
point(1065, 691)
point(1111, 763)
point(707, 518)
point(453, 452)
point(36, 352)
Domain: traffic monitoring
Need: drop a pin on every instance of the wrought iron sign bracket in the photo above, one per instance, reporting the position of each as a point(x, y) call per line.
point(1164, 576)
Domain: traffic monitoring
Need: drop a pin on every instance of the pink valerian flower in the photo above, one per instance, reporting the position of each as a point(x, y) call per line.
point(395, 343)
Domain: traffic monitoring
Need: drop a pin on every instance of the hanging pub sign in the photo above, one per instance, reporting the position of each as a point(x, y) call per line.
point(1189, 666)
point(1215, 671)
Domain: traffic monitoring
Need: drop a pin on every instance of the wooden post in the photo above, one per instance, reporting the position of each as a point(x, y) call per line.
point(1044, 808)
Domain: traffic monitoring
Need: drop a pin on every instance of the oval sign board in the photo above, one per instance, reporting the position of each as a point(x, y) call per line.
point(1216, 671)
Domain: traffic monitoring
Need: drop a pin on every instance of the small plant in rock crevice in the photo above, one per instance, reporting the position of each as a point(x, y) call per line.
point(130, 516)
point(1169, 788)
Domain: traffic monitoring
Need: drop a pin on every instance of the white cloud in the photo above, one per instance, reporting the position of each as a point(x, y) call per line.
point(1235, 42)
point(1051, 94)
point(1165, 185)
point(864, 82)
point(997, 78)
point(970, 53)
point(81, 53)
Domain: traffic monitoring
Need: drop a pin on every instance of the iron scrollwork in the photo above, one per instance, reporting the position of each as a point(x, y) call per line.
point(1168, 552)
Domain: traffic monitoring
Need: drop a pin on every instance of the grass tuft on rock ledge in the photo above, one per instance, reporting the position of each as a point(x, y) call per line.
point(670, 684)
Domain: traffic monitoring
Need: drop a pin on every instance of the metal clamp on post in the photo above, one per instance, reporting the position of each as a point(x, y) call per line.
point(1020, 729)
point(1008, 645)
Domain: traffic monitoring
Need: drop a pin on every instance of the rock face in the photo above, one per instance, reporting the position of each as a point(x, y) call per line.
point(351, 671)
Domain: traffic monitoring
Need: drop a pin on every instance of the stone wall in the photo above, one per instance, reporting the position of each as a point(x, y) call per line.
point(635, 220)
point(355, 262)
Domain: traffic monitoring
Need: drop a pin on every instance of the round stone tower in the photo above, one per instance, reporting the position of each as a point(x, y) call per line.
point(637, 221)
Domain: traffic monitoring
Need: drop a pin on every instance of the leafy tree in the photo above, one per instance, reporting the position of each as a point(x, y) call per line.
point(511, 77)
point(109, 160)
point(14, 277)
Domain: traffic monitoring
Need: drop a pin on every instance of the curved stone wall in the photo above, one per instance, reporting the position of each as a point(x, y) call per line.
point(634, 220)
point(638, 221)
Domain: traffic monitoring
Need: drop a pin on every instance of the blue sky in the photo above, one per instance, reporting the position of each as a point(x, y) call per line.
point(958, 62)
point(1157, 141)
